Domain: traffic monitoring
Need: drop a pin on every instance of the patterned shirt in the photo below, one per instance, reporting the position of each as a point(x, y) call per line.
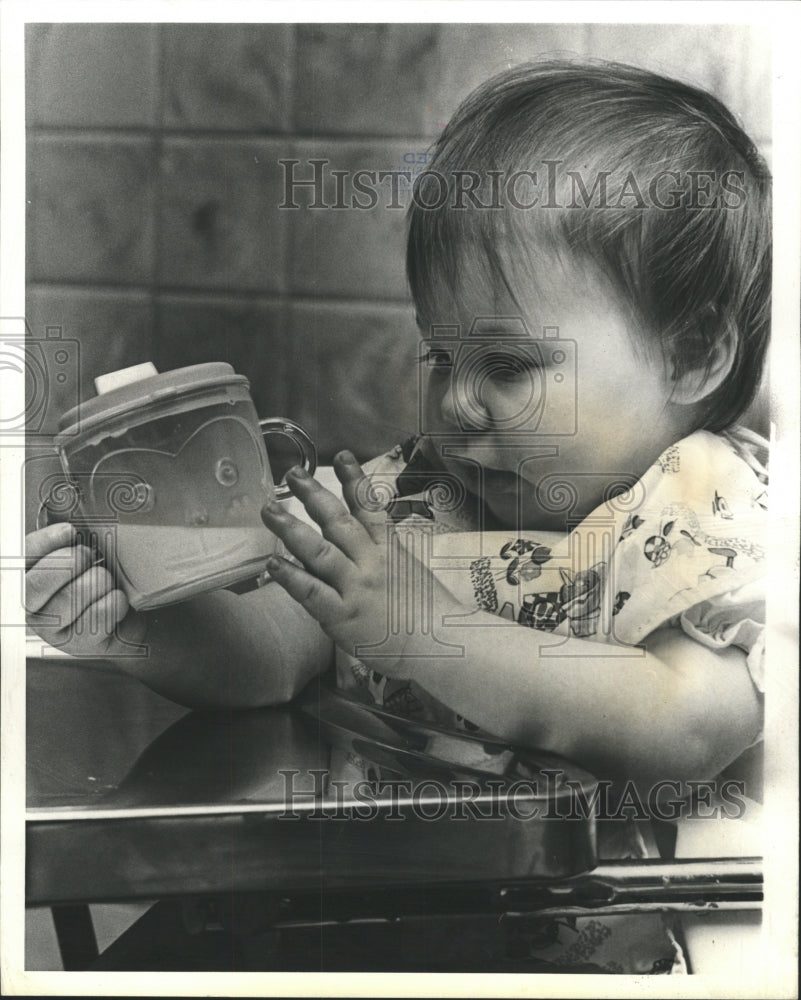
point(683, 546)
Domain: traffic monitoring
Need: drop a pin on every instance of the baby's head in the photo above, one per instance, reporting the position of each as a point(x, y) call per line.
point(623, 181)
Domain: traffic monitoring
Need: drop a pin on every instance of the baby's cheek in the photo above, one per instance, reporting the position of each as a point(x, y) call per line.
point(516, 399)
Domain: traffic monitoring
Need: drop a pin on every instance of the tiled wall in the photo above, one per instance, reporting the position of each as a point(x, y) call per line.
point(153, 186)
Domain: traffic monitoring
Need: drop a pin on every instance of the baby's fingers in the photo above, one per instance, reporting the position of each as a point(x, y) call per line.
point(83, 609)
point(321, 601)
point(100, 619)
point(317, 553)
point(336, 522)
point(40, 543)
point(367, 499)
point(52, 572)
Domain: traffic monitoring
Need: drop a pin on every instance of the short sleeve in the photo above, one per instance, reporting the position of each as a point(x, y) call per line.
point(732, 618)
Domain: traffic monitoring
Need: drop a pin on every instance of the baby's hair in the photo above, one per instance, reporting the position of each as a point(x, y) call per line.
point(649, 180)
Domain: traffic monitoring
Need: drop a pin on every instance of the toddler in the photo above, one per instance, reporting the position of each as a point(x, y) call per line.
point(591, 269)
point(581, 515)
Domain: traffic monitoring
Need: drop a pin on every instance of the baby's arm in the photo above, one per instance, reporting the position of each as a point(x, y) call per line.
point(247, 650)
point(681, 712)
point(678, 712)
point(251, 649)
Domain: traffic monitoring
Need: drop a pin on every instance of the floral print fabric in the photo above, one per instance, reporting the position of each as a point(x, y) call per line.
point(681, 547)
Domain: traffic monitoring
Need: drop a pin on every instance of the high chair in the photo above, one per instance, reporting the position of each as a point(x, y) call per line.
point(192, 809)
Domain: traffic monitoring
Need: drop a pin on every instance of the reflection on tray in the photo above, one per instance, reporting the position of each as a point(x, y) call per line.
point(217, 759)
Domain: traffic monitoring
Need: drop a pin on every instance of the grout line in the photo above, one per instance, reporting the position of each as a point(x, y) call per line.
point(158, 198)
point(292, 89)
point(94, 133)
point(242, 295)
point(94, 286)
point(288, 233)
point(222, 296)
point(277, 299)
point(349, 301)
point(98, 133)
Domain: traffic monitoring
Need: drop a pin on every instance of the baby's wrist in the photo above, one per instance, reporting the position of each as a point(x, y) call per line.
point(413, 653)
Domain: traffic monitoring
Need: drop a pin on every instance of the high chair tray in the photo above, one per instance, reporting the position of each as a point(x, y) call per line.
point(128, 798)
point(132, 797)
point(429, 750)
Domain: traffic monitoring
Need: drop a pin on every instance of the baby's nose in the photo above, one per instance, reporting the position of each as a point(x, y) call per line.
point(456, 406)
point(447, 406)
point(461, 410)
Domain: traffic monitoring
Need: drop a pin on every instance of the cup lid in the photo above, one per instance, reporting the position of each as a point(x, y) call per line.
point(134, 388)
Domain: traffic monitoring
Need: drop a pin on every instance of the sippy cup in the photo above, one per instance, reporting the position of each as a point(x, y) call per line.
point(169, 472)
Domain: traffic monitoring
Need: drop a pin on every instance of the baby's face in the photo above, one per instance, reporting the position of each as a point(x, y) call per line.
point(582, 402)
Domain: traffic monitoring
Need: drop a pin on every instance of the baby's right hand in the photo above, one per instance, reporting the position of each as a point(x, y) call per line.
point(72, 603)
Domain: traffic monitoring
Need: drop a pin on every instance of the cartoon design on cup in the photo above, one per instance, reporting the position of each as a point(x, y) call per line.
point(175, 467)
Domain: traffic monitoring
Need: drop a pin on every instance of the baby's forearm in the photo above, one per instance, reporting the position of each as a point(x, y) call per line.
point(223, 649)
point(677, 712)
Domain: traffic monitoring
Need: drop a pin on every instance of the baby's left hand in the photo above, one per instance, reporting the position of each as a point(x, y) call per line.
point(344, 581)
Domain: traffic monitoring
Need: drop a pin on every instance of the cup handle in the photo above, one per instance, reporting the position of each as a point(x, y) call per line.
point(61, 497)
point(278, 425)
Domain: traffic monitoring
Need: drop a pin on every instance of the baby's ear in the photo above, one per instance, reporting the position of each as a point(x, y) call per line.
point(695, 381)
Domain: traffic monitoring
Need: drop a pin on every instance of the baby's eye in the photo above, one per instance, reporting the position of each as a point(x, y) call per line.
point(505, 368)
point(437, 358)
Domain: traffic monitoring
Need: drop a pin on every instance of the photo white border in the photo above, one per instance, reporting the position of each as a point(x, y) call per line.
point(777, 974)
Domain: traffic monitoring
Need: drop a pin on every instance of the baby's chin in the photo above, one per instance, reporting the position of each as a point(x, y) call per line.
point(517, 512)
